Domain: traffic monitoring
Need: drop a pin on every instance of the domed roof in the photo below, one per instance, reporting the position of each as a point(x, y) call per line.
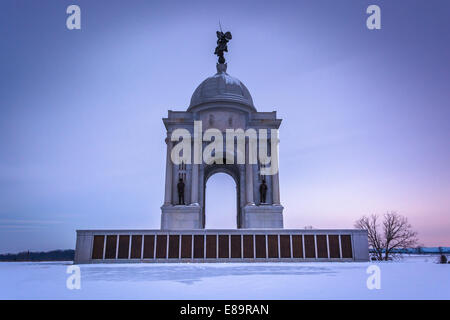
point(221, 87)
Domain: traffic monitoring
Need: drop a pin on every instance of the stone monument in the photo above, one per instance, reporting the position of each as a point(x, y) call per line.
point(221, 102)
point(221, 105)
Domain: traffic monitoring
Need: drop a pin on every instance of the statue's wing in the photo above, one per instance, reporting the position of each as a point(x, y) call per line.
point(228, 35)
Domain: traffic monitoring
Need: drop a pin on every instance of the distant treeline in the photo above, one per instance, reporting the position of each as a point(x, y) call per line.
point(55, 255)
point(67, 255)
point(422, 250)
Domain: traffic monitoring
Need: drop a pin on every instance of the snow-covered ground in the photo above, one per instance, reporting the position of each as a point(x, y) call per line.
point(413, 277)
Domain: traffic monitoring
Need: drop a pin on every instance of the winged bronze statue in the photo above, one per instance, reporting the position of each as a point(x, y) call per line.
point(222, 40)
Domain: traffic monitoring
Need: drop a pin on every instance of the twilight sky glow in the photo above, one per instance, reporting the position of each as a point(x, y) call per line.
point(366, 114)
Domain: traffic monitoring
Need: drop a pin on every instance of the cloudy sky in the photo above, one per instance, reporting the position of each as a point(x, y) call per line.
point(366, 113)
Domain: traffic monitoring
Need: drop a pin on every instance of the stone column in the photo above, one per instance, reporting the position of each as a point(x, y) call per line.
point(169, 169)
point(275, 189)
point(194, 189)
point(248, 176)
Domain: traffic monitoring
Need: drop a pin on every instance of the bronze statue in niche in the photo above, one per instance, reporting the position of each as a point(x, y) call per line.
point(263, 191)
point(180, 188)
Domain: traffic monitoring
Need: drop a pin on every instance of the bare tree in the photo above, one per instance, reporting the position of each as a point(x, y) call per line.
point(393, 233)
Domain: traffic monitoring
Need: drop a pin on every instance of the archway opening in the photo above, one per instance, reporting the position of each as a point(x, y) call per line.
point(220, 202)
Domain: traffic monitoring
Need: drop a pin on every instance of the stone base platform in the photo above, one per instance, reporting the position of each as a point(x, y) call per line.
point(236, 245)
point(181, 217)
point(264, 216)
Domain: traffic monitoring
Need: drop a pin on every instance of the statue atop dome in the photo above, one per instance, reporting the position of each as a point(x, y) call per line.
point(222, 40)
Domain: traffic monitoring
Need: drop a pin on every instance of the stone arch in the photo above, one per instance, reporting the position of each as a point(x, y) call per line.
point(232, 170)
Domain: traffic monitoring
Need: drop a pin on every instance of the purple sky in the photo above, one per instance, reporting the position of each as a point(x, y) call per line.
point(366, 114)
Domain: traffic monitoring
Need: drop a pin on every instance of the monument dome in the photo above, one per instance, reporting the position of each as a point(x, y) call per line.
point(221, 87)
